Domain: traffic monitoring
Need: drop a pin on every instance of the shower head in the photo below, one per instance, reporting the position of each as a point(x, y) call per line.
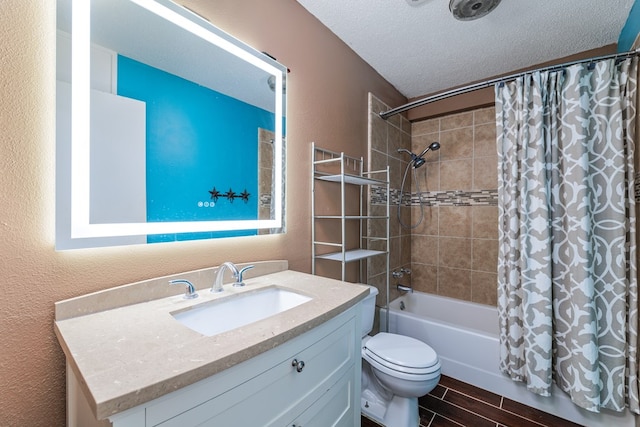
point(434, 146)
point(468, 10)
point(418, 160)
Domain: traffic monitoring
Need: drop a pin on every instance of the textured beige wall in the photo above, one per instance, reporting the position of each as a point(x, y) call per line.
point(327, 102)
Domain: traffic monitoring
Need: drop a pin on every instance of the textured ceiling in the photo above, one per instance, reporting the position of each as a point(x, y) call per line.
point(422, 49)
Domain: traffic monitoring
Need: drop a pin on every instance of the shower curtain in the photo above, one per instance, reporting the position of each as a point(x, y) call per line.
point(567, 279)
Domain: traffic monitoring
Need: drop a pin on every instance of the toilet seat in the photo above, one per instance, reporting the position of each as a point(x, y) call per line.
point(402, 357)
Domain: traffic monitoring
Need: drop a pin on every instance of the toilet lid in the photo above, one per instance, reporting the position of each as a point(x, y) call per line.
point(399, 351)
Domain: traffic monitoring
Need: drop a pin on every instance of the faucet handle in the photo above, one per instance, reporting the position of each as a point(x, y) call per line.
point(239, 281)
point(406, 271)
point(190, 291)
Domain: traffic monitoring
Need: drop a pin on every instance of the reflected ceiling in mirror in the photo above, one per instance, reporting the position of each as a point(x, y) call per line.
point(167, 127)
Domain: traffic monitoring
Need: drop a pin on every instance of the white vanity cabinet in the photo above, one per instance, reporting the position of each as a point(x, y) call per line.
point(311, 380)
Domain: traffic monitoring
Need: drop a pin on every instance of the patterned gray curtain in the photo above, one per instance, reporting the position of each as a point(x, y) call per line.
point(567, 279)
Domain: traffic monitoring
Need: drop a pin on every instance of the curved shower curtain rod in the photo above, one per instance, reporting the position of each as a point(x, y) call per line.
point(488, 83)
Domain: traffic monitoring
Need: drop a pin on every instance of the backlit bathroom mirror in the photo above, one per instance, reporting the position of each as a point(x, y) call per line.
point(167, 127)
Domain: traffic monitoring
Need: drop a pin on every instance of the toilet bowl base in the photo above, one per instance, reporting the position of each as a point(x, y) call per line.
point(399, 412)
point(372, 406)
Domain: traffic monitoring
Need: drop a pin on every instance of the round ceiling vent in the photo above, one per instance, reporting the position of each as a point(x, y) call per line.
point(468, 10)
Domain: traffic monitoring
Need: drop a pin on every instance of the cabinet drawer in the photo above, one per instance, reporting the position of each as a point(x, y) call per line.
point(268, 397)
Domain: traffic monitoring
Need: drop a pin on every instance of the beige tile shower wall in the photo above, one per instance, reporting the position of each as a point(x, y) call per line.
point(385, 138)
point(454, 251)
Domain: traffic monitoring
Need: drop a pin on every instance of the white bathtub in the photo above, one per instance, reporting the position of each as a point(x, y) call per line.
point(465, 336)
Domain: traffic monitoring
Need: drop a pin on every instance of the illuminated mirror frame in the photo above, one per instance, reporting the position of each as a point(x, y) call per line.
point(80, 127)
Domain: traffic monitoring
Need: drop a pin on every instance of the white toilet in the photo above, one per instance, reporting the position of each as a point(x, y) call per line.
point(396, 370)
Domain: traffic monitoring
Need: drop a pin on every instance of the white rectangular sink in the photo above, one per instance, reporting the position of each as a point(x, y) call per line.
point(232, 312)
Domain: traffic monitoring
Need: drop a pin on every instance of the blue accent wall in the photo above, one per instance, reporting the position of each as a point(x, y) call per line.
point(631, 29)
point(197, 139)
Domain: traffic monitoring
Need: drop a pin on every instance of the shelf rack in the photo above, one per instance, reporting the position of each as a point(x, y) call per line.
point(331, 168)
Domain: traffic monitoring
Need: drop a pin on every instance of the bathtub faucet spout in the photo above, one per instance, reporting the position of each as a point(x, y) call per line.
point(403, 288)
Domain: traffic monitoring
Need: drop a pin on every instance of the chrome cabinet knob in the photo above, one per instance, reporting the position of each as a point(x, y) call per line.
point(299, 365)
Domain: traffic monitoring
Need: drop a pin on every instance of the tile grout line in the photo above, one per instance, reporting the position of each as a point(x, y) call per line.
point(480, 400)
point(435, 414)
point(516, 414)
point(433, 417)
point(524, 418)
point(446, 390)
point(500, 407)
point(449, 419)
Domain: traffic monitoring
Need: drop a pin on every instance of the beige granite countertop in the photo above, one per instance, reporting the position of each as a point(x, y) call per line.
point(129, 355)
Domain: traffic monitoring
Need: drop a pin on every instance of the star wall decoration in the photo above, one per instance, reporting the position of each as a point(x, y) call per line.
point(215, 194)
point(245, 195)
point(230, 195)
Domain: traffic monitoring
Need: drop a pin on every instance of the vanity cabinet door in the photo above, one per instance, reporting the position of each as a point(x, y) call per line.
point(279, 394)
point(335, 408)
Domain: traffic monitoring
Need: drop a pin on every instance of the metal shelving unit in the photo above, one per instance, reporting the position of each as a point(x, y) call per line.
point(331, 168)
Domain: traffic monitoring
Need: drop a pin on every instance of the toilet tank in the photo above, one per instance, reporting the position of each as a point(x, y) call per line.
point(368, 310)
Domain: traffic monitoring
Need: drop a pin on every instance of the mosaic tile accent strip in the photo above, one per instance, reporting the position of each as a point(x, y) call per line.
point(379, 195)
point(455, 197)
point(458, 198)
point(438, 198)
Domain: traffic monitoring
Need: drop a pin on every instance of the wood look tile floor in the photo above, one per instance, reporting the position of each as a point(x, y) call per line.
point(454, 403)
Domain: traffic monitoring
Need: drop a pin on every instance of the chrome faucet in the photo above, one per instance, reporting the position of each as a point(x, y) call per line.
point(403, 288)
point(237, 274)
point(217, 284)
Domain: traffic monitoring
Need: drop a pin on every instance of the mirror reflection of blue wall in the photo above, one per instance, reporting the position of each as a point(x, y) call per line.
point(197, 139)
